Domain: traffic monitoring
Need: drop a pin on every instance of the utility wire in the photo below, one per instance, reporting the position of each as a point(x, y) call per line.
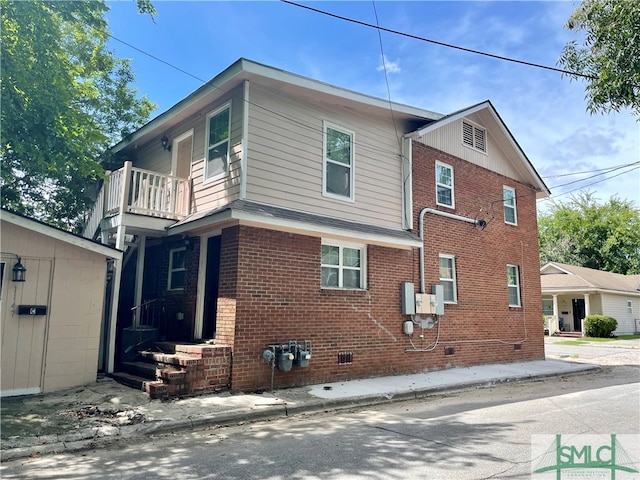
point(588, 171)
point(443, 44)
point(592, 183)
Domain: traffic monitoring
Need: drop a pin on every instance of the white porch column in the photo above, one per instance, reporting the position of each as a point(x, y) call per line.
point(587, 312)
point(554, 323)
point(139, 279)
point(115, 298)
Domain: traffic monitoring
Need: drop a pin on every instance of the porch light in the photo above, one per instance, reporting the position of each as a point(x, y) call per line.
point(19, 272)
point(165, 143)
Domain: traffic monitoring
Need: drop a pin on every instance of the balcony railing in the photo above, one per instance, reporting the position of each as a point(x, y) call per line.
point(134, 190)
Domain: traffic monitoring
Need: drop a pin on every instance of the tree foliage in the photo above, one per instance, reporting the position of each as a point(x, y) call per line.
point(65, 99)
point(585, 233)
point(610, 53)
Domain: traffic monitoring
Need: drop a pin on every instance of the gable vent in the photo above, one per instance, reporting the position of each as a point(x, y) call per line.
point(474, 136)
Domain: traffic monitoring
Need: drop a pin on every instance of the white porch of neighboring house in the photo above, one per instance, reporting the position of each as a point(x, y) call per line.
point(565, 312)
point(134, 204)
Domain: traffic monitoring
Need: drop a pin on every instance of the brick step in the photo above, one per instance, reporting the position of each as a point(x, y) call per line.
point(130, 380)
point(177, 359)
point(142, 369)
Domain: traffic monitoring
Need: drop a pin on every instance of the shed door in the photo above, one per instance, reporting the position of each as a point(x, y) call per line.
point(24, 336)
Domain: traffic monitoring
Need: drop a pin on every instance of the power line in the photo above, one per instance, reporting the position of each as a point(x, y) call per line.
point(590, 171)
point(442, 44)
point(593, 183)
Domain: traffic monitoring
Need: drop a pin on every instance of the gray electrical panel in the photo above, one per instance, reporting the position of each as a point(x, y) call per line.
point(438, 291)
point(408, 298)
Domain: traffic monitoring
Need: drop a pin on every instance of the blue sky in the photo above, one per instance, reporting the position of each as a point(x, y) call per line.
point(545, 112)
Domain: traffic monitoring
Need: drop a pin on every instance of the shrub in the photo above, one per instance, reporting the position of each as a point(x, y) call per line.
point(599, 326)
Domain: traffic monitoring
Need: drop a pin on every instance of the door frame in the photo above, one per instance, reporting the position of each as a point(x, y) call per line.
point(174, 151)
point(202, 278)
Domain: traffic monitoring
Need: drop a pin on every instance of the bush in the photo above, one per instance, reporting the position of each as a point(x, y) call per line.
point(599, 326)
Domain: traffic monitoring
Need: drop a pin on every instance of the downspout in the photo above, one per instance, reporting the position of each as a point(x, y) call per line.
point(479, 223)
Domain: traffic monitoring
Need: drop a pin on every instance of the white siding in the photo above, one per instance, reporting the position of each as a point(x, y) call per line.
point(284, 164)
point(208, 195)
point(616, 306)
point(448, 139)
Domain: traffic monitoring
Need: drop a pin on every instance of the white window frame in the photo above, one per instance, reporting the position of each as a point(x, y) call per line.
point(178, 269)
point(341, 267)
point(326, 160)
point(506, 206)
point(629, 306)
point(453, 280)
point(475, 132)
point(207, 178)
point(514, 285)
point(443, 185)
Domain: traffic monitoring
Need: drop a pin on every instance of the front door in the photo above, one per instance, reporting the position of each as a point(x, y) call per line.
point(212, 281)
point(578, 313)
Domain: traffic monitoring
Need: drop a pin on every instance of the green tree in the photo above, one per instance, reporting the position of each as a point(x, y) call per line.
point(65, 99)
point(583, 232)
point(610, 53)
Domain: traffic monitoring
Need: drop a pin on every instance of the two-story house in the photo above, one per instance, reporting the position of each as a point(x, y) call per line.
point(284, 226)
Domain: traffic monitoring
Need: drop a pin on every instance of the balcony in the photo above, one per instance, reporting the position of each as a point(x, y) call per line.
point(132, 190)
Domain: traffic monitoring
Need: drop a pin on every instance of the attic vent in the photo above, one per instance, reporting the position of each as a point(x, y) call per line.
point(474, 136)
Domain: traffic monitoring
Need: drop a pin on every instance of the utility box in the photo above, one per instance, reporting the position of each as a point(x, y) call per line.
point(408, 298)
point(438, 292)
point(425, 304)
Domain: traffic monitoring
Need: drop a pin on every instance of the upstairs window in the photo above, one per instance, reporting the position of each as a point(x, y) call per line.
point(513, 285)
point(447, 266)
point(177, 269)
point(338, 163)
point(474, 137)
point(217, 147)
point(509, 202)
point(444, 185)
point(343, 266)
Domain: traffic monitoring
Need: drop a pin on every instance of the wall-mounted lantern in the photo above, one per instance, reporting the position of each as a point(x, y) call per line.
point(19, 272)
point(165, 143)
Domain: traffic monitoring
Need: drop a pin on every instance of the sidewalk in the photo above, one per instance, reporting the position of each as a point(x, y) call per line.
point(87, 417)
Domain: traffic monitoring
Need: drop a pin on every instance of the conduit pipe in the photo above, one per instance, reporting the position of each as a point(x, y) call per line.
point(474, 221)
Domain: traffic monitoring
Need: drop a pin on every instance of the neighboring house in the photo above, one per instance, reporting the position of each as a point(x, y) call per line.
point(275, 213)
point(570, 293)
point(51, 318)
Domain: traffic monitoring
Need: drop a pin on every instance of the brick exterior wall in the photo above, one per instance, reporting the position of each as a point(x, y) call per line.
point(270, 292)
point(481, 327)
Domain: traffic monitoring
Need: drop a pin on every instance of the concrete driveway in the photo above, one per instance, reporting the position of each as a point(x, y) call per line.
point(618, 352)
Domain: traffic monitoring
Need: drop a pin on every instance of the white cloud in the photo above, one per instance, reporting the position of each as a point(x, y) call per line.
point(391, 67)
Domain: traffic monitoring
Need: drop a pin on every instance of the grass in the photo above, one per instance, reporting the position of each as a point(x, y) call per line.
point(585, 340)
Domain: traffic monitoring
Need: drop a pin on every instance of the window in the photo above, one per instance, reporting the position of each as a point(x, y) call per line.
point(448, 277)
point(444, 185)
point(513, 285)
point(338, 163)
point(177, 269)
point(217, 144)
point(509, 202)
point(474, 137)
point(629, 306)
point(343, 266)
point(547, 307)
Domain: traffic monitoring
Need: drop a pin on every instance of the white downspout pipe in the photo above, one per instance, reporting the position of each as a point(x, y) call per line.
point(480, 223)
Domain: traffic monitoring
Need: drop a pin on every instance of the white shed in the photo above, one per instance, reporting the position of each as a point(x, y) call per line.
point(52, 322)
